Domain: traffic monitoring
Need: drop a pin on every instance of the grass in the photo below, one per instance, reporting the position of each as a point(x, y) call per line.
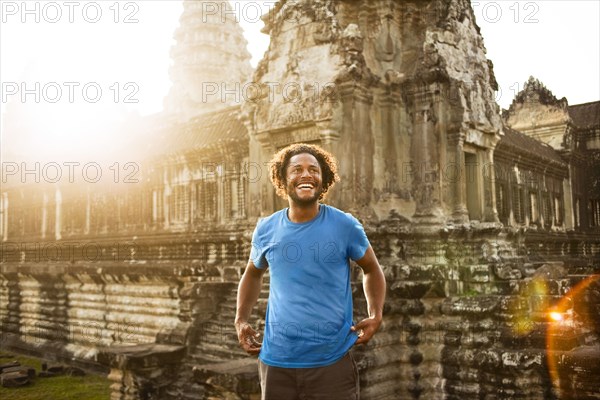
point(89, 387)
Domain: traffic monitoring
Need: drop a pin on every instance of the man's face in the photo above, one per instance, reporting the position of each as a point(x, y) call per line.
point(304, 179)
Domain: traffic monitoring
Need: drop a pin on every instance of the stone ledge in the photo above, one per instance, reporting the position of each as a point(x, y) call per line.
point(236, 376)
point(141, 355)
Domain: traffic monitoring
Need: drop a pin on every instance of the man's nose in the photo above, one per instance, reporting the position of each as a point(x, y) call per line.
point(305, 172)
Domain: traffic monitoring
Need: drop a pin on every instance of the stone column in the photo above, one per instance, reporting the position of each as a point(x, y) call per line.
point(355, 150)
point(460, 213)
point(425, 157)
point(343, 148)
point(44, 227)
point(166, 197)
point(569, 218)
point(58, 217)
point(389, 140)
point(88, 210)
point(193, 203)
point(261, 194)
point(4, 200)
point(490, 211)
point(362, 148)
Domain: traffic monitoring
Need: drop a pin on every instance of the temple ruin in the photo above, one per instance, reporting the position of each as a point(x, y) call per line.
point(487, 223)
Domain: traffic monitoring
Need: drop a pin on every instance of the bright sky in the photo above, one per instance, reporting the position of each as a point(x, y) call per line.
point(124, 56)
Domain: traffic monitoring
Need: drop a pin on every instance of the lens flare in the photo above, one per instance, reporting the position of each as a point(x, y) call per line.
point(555, 316)
point(574, 318)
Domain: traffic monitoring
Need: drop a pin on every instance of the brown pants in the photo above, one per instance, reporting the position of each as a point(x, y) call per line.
point(338, 381)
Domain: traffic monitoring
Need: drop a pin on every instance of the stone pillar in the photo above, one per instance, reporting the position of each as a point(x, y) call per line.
point(88, 211)
point(261, 194)
point(460, 214)
point(569, 217)
point(389, 141)
point(221, 183)
point(166, 196)
point(44, 227)
point(511, 182)
point(425, 157)
point(4, 224)
point(355, 151)
point(58, 217)
point(193, 204)
point(490, 211)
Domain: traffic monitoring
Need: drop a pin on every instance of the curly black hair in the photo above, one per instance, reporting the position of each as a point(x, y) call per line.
point(281, 159)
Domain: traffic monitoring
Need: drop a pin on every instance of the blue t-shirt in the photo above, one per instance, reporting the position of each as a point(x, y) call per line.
point(309, 312)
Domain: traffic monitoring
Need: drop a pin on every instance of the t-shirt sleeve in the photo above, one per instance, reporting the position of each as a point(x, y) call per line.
point(357, 240)
point(258, 250)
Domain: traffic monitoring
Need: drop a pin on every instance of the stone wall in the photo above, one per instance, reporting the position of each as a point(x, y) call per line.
point(74, 307)
point(467, 315)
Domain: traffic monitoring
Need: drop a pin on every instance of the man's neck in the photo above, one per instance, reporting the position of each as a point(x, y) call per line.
point(302, 213)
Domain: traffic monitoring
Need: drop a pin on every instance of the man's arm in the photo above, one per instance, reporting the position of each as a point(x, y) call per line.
point(248, 292)
point(374, 287)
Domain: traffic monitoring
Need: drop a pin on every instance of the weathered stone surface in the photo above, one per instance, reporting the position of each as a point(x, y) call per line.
point(10, 364)
point(402, 93)
point(14, 379)
point(240, 377)
point(141, 371)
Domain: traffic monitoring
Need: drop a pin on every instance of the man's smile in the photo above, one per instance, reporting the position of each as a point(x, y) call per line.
point(305, 186)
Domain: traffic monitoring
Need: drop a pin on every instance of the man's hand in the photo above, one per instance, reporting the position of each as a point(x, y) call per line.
point(248, 292)
point(248, 338)
point(366, 329)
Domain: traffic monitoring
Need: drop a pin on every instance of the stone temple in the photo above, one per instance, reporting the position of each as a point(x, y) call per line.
point(487, 222)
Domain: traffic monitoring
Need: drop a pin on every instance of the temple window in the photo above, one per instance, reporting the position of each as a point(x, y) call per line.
point(533, 208)
point(179, 204)
point(502, 204)
point(547, 209)
point(517, 204)
point(206, 200)
point(558, 210)
point(594, 212)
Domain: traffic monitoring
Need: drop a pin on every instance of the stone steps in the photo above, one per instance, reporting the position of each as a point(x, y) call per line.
point(218, 341)
point(218, 352)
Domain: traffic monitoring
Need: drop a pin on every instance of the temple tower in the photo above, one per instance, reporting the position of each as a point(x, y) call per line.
point(210, 60)
point(400, 91)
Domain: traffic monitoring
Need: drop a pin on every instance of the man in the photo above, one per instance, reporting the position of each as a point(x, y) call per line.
point(307, 247)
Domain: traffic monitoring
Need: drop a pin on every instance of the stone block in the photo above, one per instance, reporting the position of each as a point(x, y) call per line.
point(14, 379)
point(410, 307)
point(480, 306)
point(411, 289)
point(236, 376)
point(10, 364)
point(522, 359)
point(513, 304)
point(24, 370)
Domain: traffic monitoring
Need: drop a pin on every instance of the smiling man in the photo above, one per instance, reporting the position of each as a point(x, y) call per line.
point(307, 247)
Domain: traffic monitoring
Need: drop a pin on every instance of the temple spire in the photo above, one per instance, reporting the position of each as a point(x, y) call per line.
point(210, 60)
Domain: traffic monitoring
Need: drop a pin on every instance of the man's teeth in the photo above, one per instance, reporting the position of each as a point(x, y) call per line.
point(305, 186)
